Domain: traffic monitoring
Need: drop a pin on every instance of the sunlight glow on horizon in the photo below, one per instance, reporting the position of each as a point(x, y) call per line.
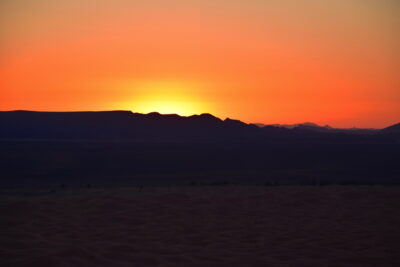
point(165, 97)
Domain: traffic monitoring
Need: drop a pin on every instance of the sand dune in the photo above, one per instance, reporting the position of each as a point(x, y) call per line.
point(204, 226)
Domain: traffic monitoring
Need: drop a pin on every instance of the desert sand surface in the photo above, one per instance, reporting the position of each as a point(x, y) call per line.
point(203, 226)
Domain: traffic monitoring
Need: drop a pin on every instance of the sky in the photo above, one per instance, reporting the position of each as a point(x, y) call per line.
point(276, 61)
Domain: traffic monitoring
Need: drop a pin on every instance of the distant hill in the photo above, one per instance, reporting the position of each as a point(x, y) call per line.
point(126, 125)
point(313, 127)
point(62, 149)
point(292, 126)
point(392, 129)
point(118, 125)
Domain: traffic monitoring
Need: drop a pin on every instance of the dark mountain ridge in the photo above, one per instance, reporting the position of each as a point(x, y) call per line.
point(127, 125)
point(52, 149)
point(117, 124)
point(313, 127)
point(392, 129)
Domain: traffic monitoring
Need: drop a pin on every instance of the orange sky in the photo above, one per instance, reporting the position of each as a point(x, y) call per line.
point(277, 61)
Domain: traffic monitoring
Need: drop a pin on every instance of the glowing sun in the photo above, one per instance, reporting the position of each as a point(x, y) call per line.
point(168, 97)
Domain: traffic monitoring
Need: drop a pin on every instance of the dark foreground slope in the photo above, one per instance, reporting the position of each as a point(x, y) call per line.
point(124, 148)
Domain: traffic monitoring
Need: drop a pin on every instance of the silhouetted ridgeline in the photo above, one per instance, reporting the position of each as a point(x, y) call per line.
point(63, 149)
point(393, 131)
point(125, 125)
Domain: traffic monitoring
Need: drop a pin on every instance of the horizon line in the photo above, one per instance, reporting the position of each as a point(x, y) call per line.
point(197, 114)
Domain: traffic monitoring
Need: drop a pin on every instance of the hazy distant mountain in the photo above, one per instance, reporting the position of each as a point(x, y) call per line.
point(313, 127)
point(292, 126)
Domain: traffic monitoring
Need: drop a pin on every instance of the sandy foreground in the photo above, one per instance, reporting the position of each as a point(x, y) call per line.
point(203, 226)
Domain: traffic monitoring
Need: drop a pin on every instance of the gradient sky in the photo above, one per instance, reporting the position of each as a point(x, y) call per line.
point(276, 61)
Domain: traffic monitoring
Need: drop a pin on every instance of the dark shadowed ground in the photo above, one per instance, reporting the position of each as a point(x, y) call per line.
point(52, 164)
point(203, 226)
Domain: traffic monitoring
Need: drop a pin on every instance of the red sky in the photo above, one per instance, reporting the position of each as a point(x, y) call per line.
point(286, 61)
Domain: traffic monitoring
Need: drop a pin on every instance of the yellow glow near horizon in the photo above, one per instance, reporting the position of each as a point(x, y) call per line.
point(167, 97)
point(168, 107)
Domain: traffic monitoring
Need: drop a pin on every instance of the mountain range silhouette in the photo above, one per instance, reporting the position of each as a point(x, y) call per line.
point(51, 149)
point(126, 125)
